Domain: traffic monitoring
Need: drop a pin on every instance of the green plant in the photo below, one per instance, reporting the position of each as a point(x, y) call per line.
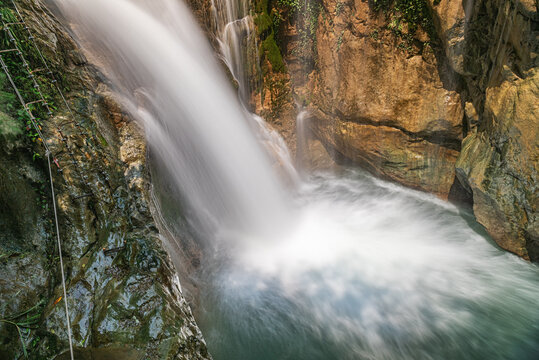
point(414, 12)
point(20, 335)
point(306, 26)
point(293, 5)
point(263, 23)
point(340, 40)
point(26, 321)
point(382, 4)
point(405, 18)
point(261, 6)
point(273, 54)
point(26, 82)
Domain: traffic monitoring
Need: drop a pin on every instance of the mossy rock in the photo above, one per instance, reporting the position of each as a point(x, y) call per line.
point(9, 127)
point(273, 54)
point(263, 23)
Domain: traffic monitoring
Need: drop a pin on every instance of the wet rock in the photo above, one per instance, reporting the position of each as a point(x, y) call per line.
point(123, 294)
point(389, 153)
point(499, 159)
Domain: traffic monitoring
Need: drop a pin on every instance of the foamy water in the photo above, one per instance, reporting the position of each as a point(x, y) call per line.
point(350, 268)
point(373, 271)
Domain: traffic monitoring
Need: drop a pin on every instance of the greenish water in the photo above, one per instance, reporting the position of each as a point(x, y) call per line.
point(357, 269)
point(372, 271)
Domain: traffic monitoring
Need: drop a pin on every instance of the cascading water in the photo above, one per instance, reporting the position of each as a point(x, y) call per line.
point(302, 139)
point(233, 27)
point(165, 74)
point(234, 31)
point(368, 271)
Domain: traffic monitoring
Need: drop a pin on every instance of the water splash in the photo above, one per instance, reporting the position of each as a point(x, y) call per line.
point(373, 271)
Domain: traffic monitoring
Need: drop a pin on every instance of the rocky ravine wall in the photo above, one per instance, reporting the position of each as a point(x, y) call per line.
point(438, 95)
point(124, 296)
point(499, 162)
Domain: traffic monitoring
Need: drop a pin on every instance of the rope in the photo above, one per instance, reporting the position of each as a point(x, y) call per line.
point(61, 259)
point(21, 99)
point(42, 99)
point(31, 38)
point(26, 65)
point(48, 153)
point(86, 136)
point(49, 71)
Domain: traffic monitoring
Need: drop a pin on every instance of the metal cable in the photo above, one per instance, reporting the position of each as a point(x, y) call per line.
point(21, 99)
point(48, 154)
point(49, 71)
point(61, 258)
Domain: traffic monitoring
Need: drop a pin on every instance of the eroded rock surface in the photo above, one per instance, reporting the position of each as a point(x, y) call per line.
point(124, 297)
point(401, 87)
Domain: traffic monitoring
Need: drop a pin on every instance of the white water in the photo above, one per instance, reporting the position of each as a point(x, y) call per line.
point(369, 271)
point(165, 73)
point(233, 27)
point(302, 132)
point(373, 271)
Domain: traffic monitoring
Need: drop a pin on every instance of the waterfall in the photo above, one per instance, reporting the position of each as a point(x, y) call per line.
point(233, 27)
point(368, 271)
point(302, 138)
point(164, 72)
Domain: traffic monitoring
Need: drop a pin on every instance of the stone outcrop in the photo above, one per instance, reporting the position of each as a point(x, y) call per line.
point(437, 95)
point(499, 165)
point(499, 162)
point(400, 113)
point(391, 100)
point(124, 295)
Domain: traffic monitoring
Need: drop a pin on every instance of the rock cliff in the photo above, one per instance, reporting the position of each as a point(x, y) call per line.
point(124, 295)
point(437, 95)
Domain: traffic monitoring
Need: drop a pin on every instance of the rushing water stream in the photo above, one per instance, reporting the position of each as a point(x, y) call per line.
point(338, 266)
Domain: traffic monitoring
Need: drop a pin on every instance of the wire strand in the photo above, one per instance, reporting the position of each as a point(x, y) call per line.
point(61, 258)
point(48, 154)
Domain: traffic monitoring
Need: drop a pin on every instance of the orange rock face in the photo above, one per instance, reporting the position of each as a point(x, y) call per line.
point(382, 101)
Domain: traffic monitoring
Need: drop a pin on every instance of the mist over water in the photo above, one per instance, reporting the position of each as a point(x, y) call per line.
point(373, 271)
point(332, 266)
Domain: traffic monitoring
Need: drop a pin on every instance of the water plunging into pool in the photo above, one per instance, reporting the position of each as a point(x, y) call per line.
point(336, 267)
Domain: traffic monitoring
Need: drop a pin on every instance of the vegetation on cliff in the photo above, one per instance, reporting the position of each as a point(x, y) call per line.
point(112, 252)
point(414, 13)
point(406, 19)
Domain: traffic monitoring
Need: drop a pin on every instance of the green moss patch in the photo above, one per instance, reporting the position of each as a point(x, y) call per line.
point(263, 24)
point(273, 54)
